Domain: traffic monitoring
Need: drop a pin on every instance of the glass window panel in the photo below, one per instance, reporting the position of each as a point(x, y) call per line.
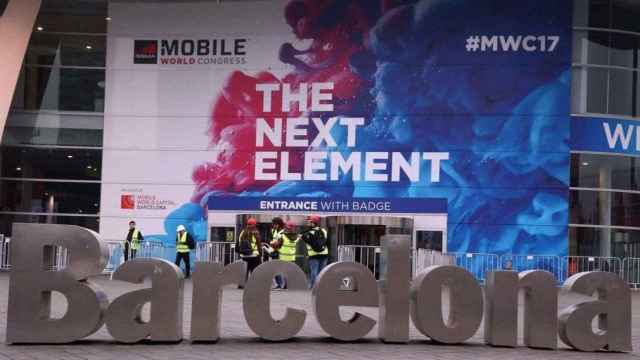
point(583, 207)
point(624, 50)
point(77, 16)
point(53, 128)
point(51, 136)
point(431, 240)
point(222, 234)
point(595, 48)
point(625, 209)
point(619, 243)
point(50, 197)
point(578, 90)
point(625, 14)
point(622, 87)
point(604, 208)
point(7, 220)
point(362, 234)
point(637, 94)
point(596, 82)
point(592, 171)
point(62, 89)
point(599, 13)
point(74, 164)
point(580, 12)
point(70, 50)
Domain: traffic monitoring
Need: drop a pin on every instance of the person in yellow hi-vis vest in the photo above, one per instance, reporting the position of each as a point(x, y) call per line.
point(132, 242)
point(287, 245)
point(184, 243)
point(317, 247)
point(249, 245)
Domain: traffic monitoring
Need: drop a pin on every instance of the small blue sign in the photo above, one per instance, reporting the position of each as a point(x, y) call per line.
point(605, 135)
point(329, 205)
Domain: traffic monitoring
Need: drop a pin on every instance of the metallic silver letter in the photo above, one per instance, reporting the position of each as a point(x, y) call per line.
point(256, 301)
point(31, 284)
point(394, 290)
point(613, 309)
point(208, 281)
point(540, 308)
point(124, 320)
point(327, 299)
point(465, 308)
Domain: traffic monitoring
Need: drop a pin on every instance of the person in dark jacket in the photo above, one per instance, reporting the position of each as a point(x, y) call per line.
point(317, 260)
point(277, 228)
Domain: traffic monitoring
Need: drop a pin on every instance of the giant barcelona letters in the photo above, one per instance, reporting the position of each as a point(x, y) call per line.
point(399, 299)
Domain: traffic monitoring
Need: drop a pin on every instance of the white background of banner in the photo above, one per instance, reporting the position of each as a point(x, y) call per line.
point(156, 117)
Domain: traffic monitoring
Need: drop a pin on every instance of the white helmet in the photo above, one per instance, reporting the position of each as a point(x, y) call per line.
point(181, 228)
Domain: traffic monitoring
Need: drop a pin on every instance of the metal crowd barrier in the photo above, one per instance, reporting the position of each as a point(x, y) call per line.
point(222, 252)
point(477, 263)
point(147, 249)
point(5, 258)
point(56, 258)
point(368, 256)
point(518, 263)
point(116, 256)
point(631, 272)
point(423, 258)
point(578, 264)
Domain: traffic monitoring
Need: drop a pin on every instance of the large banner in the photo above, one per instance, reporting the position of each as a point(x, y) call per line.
point(462, 101)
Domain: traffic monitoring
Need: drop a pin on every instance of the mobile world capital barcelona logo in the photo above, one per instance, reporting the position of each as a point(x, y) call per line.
point(228, 51)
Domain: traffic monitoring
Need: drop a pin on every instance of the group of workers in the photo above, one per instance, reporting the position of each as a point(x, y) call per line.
point(284, 244)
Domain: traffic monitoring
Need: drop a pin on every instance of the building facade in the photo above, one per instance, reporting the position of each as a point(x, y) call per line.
point(92, 127)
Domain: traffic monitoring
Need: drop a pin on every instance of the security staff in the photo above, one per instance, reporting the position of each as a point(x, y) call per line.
point(277, 228)
point(288, 243)
point(249, 245)
point(287, 249)
point(183, 239)
point(132, 242)
point(317, 260)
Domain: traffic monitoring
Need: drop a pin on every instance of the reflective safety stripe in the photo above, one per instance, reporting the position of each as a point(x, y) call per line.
point(182, 246)
point(135, 239)
point(276, 235)
point(288, 249)
point(310, 251)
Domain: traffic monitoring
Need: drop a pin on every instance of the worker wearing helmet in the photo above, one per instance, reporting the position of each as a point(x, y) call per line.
point(249, 245)
point(287, 244)
point(184, 244)
point(316, 240)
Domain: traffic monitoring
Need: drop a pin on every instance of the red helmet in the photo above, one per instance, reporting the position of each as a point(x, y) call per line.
point(290, 225)
point(314, 218)
point(252, 221)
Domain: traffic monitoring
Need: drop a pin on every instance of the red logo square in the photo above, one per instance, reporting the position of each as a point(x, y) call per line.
point(127, 202)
